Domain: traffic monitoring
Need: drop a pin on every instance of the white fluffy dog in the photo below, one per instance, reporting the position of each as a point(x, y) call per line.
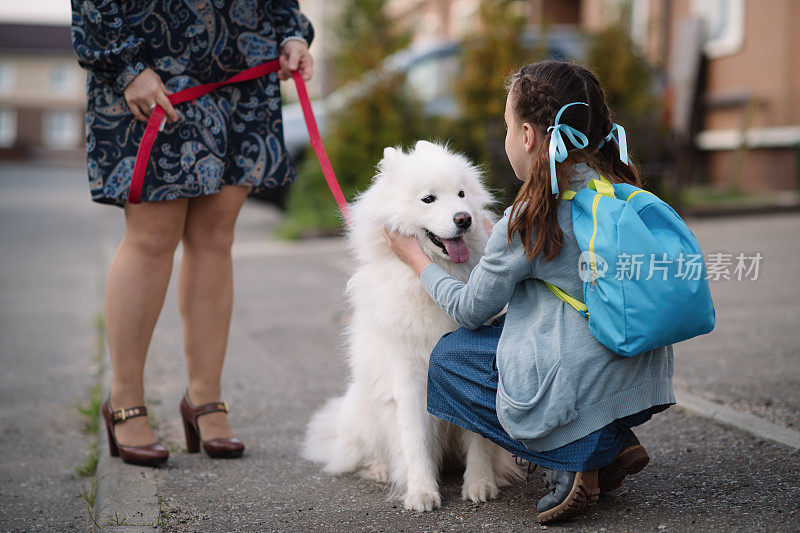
point(380, 427)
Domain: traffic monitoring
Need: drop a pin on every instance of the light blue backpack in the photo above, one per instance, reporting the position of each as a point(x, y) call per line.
point(644, 274)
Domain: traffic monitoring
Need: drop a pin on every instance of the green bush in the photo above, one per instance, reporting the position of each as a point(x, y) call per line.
point(490, 55)
point(383, 117)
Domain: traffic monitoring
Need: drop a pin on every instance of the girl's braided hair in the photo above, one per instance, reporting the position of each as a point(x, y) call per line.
point(537, 93)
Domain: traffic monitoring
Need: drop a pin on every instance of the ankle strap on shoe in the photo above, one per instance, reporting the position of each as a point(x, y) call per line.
point(208, 408)
point(122, 415)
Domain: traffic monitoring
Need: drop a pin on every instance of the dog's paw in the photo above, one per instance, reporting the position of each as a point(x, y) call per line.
point(423, 500)
point(480, 490)
point(377, 471)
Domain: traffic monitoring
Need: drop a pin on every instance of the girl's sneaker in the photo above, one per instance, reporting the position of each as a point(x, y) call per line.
point(631, 460)
point(571, 493)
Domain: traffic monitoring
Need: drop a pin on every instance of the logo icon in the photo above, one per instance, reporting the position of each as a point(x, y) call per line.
point(591, 266)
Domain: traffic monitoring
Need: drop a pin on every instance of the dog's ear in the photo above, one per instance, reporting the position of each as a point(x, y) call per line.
point(424, 144)
point(389, 152)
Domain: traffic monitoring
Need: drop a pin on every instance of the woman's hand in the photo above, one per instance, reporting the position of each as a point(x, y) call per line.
point(408, 250)
point(144, 92)
point(295, 56)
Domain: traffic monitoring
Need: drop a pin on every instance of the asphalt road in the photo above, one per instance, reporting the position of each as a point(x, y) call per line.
point(286, 357)
point(751, 361)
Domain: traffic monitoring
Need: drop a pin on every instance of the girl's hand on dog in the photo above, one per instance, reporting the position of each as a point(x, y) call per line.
point(408, 249)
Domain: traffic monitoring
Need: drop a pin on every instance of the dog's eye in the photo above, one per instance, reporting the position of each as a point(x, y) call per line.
point(429, 199)
point(461, 194)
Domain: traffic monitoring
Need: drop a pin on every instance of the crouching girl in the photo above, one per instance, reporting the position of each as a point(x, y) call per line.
point(536, 381)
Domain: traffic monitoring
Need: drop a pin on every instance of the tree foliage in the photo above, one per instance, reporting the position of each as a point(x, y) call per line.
point(631, 90)
point(489, 56)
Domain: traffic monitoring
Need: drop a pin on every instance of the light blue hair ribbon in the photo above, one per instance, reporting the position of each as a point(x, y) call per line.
point(621, 142)
point(557, 149)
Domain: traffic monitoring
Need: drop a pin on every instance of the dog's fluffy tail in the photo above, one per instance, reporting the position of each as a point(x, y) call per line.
point(322, 432)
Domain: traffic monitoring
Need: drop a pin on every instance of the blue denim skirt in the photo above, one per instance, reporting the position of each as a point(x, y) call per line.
point(462, 385)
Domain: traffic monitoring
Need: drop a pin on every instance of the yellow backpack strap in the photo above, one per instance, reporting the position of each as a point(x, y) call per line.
point(604, 187)
point(577, 304)
point(568, 195)
point(634, 193)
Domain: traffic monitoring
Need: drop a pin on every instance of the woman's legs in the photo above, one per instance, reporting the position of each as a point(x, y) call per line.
point(137, 282)
point(205, 296)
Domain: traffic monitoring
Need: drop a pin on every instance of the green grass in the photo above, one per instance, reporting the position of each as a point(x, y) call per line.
point(162, 514)
point(89, 495)
point(304, 223)
point(100, 336)
point(117, 521)
point(90, 412)
point(89, 465)
point(713, 197)
point(90, 408)
point(698, 195)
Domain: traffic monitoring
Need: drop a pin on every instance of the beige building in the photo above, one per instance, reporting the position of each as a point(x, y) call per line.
point(435, 20)
point(42, 93)
point(749, 129)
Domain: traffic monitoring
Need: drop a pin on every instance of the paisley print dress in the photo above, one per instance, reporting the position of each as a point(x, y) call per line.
point(232, 136)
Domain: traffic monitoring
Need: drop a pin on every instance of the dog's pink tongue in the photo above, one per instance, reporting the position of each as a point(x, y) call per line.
point(457, 249)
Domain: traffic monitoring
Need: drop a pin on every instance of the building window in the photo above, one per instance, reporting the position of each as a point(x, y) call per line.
point(61, 78)
point(724, 25)
point(7, 77)
point(61, 129)
point(431, 82)
point(8, 127)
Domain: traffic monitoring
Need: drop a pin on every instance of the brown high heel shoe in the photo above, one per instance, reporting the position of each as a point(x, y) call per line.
point(229, 448)
point(145, 455)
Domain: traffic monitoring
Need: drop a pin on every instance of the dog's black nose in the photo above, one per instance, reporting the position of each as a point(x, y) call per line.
point(463, 220)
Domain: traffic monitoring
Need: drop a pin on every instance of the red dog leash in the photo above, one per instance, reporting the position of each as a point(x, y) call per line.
point(192, 93)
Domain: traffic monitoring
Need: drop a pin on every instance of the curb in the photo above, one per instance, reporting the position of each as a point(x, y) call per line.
point(726, 416)
point(127, 498)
